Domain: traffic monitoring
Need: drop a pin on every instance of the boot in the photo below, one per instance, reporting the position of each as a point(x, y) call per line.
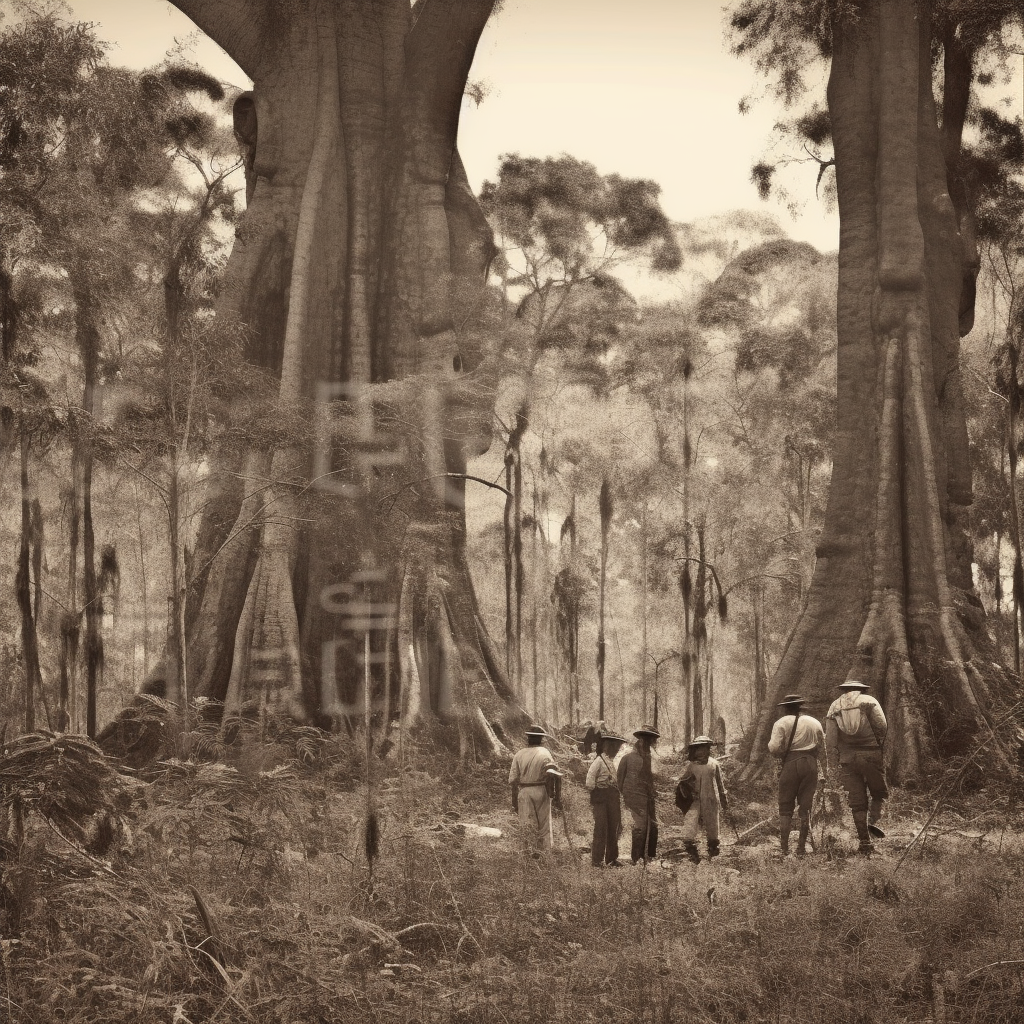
point(636, 850)
point(785, 826)
point(874, 812)
point(860, 819)
point(692, 852)
point(713, 849)
point(801, 842)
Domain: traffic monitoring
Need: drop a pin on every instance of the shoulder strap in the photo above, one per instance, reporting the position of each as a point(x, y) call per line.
point(871, 724)
point(792, 733)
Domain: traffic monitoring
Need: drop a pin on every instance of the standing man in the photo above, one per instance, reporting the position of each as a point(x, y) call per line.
point(854, 734)
point(702, 776)
point(798, 741)
point(636, 784)
point(604, 802)
point(528, 777)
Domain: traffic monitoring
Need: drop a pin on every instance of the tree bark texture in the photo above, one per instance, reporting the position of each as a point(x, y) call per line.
point(87, 339)
point(23, 589)
point(355, 272)
point(892, 601)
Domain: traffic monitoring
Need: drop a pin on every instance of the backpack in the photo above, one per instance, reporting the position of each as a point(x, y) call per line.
point(684, 795)
point(850, 719)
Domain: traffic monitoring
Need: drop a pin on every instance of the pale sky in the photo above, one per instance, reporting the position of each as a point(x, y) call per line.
point(644, 88)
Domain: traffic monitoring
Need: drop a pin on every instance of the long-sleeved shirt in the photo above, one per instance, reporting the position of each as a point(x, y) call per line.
point(635, 784)
point(530, 765)
point(707, 785)
point(601, 774)
point(854, 723)
point(809, 736)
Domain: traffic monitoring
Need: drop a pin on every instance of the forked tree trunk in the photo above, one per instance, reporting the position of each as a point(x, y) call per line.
point(356, 271)
point(892, 600)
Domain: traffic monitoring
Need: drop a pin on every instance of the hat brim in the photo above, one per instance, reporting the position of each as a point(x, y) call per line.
point(641, 733)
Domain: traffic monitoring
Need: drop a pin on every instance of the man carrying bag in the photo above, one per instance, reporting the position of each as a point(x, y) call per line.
point(798, 741)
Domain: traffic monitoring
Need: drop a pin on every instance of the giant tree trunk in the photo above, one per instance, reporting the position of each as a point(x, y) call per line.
point(356, 271)
point(892, 600)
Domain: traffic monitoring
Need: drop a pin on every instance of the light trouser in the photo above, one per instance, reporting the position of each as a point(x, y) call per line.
point(535, 816)
point(692, 823)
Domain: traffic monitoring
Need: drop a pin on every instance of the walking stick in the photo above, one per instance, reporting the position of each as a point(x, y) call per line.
point(732, 824)
point(565, 825)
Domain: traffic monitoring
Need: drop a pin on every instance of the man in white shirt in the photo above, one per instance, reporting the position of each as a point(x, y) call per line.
point(855, 729)
point(798, 741)
point(604, 801)
point(528, 777)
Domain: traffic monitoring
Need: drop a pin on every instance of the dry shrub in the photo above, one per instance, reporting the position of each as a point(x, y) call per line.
point(452, 927)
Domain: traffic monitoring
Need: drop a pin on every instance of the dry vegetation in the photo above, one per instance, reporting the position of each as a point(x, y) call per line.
point(237, 890)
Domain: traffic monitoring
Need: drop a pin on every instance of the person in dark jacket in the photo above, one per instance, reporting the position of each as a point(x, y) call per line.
point(636, 784)
point(603, 785)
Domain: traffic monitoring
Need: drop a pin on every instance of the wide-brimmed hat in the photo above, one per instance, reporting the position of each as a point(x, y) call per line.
point(535, 730)
point(701, 741)
point(647, 730)
point(611, 736)
point(854, 684)
point(791, 698)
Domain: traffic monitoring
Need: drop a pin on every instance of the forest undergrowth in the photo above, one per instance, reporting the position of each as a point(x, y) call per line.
point(233, 885)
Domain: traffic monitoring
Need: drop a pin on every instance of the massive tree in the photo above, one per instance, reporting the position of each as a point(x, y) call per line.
point(330, 574)
point(892, 600)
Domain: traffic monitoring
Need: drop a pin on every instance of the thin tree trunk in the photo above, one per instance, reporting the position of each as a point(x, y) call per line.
point(71, 630)
point(144, 585)
point(605, 508)
point(23, 589)
point(517, 542)
point(510, 581)
point(644, 599)
point(538, 710)
point(1011, 451)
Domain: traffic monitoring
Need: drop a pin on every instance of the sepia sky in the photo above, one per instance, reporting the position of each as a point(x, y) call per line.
point(645, 88)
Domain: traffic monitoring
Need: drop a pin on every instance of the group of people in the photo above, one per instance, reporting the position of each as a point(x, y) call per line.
point(851, 743)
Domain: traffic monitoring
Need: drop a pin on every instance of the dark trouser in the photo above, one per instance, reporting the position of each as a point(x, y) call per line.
point(649, 834)
point(607, 825)
point(797, 783)
point(862, 773)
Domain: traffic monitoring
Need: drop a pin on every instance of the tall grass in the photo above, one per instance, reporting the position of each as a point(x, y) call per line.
point(455, 929)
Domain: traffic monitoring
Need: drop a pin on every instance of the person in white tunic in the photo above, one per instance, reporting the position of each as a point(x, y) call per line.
point(702, 779)
point(529, 778)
